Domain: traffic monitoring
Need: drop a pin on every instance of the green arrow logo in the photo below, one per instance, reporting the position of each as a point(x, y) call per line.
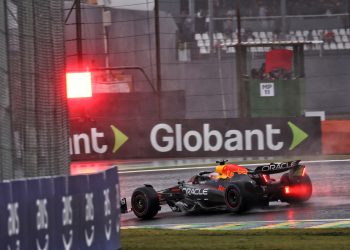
point(119, 138)
point(298, 135)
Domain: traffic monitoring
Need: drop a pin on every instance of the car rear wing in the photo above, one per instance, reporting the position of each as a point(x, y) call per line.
point(274, 168)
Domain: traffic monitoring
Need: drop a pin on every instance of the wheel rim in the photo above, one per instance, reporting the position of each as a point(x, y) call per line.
point(233, 198)
point(139, 203)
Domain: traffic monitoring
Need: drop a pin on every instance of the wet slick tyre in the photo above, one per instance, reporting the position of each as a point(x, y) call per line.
point(301, 188)
point(144, 202)
point(235, 200)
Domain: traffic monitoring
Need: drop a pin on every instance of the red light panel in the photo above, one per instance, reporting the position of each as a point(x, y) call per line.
point(304, 171)
point(266, 178)
point(79, 84)
point(297, 191)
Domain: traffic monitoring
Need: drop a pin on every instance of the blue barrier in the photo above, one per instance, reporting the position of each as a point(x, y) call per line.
point(17, 215)
point(61, 213)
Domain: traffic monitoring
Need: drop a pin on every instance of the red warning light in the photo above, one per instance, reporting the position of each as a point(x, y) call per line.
point(303, 173)
point(79, 84)
point(266, 178)
point(286, 190)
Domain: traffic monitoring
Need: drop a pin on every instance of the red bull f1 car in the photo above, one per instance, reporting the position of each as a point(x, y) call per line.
point(230, 187)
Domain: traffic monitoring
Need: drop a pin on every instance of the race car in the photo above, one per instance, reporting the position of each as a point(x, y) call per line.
point(230, 187)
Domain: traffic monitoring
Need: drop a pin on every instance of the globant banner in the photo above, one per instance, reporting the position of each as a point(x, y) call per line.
point(63, 213)
point(112, 139)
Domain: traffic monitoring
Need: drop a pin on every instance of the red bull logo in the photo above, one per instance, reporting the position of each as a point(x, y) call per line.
point(228, 170)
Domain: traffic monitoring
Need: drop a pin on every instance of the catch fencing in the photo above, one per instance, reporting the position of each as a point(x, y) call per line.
point(33, 110)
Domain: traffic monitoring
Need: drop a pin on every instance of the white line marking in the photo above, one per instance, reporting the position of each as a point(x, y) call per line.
point(208, 166)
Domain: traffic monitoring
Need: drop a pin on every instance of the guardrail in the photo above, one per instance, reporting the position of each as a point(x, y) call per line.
point(63, 212)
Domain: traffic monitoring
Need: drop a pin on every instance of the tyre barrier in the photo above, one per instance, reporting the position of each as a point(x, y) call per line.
point(63, 212)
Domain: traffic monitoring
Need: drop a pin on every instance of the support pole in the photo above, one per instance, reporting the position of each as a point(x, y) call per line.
point(238, 11)
point(78, 32)
point(349, 13)
point(211, 26)
point(158, 63)
point(192, 14)
point(283, 16)
point(240, 67)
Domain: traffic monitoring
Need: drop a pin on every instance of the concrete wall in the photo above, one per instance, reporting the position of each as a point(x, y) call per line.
point(207, 95)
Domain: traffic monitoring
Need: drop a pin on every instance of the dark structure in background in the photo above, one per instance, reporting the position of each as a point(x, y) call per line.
point(199, 67)
point(194, 57)
point(34, 124)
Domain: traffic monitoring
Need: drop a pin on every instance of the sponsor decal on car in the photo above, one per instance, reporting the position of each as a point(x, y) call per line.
point(278, 166)
point(195, 191)
point(221, 188)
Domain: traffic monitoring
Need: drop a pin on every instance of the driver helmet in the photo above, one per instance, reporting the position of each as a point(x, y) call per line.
point(214, 176)
point(219, 170)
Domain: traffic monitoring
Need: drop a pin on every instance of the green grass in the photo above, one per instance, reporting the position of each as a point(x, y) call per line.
point(297, 239)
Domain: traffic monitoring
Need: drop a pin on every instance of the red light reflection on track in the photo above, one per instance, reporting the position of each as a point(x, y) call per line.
point(291, 214)
point(77, 168)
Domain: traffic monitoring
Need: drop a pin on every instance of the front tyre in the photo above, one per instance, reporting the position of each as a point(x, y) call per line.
point(296, 189)
point(235, 200)
point(145, 203)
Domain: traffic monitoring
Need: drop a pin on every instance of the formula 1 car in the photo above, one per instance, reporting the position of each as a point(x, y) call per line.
point(230, 187)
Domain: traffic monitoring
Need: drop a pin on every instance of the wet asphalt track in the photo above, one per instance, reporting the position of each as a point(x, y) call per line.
point(330, 200)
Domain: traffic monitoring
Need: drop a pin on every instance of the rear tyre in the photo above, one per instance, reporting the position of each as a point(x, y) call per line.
point(235, 200)
point(300, 188)
point(145, 203)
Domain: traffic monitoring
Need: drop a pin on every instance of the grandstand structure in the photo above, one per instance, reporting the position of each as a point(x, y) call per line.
point(341, 40)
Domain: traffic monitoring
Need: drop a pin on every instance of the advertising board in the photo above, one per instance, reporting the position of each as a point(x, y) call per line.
point(63, 213)
point(112, 139)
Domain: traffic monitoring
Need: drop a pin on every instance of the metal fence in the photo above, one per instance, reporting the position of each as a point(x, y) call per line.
point(34, 124)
